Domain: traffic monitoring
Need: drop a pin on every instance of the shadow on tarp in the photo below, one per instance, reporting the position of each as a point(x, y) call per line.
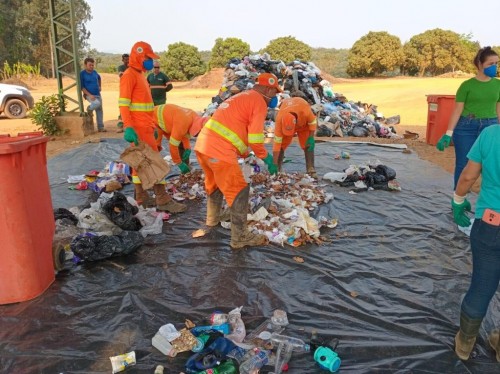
point(389, 286)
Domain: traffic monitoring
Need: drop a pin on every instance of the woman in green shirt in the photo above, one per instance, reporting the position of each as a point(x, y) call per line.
point(477, 105)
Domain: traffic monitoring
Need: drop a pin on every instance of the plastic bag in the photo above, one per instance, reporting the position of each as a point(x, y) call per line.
point(238, 331)
point(122, 213)
point(89, 247)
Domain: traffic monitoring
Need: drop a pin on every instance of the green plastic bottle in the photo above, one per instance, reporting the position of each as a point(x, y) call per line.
point(227, 367)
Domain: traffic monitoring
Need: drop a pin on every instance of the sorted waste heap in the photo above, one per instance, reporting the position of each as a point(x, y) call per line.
point(337, 116)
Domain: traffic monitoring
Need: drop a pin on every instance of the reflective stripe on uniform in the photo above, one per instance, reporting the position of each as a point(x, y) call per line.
point(278, 139)
point(228, 134)
point(159, 115)
point(314, 122)
point(174, 141)
point(256, 138)
point(124, 102)
point(137, 180)
point(141, 107)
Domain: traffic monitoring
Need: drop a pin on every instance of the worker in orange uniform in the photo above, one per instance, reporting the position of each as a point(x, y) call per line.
point(236, 125)
point(136, 109)
point(178, 125)
point(295, 117)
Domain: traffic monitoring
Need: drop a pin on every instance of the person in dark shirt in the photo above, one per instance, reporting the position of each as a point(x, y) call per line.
point(160, 84)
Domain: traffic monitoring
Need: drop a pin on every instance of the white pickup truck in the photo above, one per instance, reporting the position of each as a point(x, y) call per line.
point(15, 101)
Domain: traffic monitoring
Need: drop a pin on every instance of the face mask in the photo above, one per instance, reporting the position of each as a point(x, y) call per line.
point(491, 71)
point(273, 103)
point(148, 64)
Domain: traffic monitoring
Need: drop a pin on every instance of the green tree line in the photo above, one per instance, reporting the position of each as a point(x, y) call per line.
point(25, 39)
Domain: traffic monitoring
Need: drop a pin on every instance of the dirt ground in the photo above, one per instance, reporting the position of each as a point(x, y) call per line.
point(196, 95)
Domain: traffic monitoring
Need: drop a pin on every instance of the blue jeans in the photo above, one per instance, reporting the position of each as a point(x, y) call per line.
point(465, 134)
point(485, 247)
point(99, 113)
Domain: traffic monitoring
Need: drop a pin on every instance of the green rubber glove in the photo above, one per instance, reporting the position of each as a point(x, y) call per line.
point(459, 215)
point(271, 166)
point(443, 143)
point(155, 133)
point(131, 136)
point(185, 155)
point(183, 168)
point(310, 143)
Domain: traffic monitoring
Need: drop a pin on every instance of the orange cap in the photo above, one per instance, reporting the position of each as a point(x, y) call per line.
point(197, 125)
point(288, 122)
point(269, 80)
point(143, 48)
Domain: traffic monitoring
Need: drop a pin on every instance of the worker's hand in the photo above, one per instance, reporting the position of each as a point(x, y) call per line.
point(310, 143)
point(459, 215)
point(271, 166)
point(131, 136)
point(184, 168)
point(443, 143)
point(185, 155)
point(155, 133)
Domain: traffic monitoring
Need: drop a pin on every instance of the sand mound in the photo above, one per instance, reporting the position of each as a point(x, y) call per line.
point(212, 80)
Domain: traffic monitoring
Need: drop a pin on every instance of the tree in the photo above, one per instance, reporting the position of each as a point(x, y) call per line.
point(374, 54)
point(25, 31)
point(330, 60)
point(470, 49)
point(182, 62)
point(435, 52)
point(226, 49)
point(288, 49)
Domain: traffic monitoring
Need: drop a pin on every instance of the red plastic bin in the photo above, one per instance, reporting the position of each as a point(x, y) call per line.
point(439, 112)
point(26, 218)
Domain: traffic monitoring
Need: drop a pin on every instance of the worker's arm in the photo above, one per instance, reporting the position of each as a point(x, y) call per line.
point(127, 83)
point(498, 111)
point(468, 177)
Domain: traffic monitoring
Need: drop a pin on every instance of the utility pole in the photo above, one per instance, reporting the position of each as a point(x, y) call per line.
point(65, 42)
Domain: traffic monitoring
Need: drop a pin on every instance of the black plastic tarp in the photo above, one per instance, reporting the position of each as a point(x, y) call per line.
point(389, 286)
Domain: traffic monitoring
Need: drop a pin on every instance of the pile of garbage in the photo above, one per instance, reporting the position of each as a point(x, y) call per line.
point(114, 225)
point(337, 116)
point(220, 344)
point(366, 177)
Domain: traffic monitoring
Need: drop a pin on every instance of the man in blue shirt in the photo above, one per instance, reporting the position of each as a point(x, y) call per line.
point(90, 82)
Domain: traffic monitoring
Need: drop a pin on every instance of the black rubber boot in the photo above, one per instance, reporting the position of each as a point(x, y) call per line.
point(466, 336)
point(240, 236)
point(494, 340)
point(310, 164)
point(214, 206)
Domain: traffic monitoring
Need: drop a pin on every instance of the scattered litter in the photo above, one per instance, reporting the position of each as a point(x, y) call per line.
point(198, 233)
point(298, 259)
point(121, 362)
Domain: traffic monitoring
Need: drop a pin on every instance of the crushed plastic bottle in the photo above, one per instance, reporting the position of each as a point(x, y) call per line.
point(255, 362)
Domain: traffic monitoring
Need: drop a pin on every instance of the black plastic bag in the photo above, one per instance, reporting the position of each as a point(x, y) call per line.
point(89, 247)
point(66, 215)
point(386, 171)
point(122, 213)
point(324, 131)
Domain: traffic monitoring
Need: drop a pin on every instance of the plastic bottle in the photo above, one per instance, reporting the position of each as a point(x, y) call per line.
point(285, 346)
point(163, 345)
point(227, 367)
point(257, 361)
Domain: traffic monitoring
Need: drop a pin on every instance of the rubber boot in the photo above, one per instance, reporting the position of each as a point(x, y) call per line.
point(143, 197)
point(280, 160)
point(240, 236)
point(214, 206)
point(165, 203)
point(310, 164)
point(494, 340)
point(466, 336)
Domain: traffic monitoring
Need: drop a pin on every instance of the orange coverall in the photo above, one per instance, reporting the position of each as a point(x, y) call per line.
point(174, 122)
point(135, 101)
point(304, 124)
point(238, 123)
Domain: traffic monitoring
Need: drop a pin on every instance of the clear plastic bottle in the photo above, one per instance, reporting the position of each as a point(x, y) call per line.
point(257, 361)
point(285, 346)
